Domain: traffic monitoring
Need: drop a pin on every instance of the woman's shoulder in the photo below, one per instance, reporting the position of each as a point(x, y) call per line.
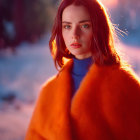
point(66, 69)
point(121, 79)
point(49, 84)
point(119, 72)
point(125, 73)
point(49, 81)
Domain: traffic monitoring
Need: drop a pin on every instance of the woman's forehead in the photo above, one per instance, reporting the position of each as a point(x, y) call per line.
point(75, 13)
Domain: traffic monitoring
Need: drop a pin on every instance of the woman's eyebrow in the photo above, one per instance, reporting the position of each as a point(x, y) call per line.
point(85, 21)
point(66, 22)
point(82, 21)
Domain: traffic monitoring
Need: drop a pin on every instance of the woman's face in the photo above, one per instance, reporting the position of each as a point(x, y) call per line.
point(77, 31)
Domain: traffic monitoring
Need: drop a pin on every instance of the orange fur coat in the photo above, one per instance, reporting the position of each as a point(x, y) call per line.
point(105, 107)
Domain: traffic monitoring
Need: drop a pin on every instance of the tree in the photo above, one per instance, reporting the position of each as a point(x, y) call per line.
point(37, 18)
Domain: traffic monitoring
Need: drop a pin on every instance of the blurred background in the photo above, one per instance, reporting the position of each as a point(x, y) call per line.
point(25, 60)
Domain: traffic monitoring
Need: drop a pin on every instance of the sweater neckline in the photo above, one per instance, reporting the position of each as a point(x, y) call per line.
point(81, 66)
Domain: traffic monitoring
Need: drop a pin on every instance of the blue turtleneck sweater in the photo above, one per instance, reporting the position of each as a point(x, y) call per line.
point(79, 70)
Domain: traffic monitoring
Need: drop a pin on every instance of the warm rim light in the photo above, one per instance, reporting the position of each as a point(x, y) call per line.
point(54, 48)
point(110, 3)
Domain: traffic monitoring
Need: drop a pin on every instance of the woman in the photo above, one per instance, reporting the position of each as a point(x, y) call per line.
point(94, 96)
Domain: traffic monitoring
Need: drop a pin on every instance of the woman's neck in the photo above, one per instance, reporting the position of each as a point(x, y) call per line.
point(81, 66)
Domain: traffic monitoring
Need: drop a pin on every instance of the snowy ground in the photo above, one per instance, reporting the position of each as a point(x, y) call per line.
point(21, 77)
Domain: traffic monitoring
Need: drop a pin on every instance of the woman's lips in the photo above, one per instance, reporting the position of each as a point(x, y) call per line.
point(75, 45)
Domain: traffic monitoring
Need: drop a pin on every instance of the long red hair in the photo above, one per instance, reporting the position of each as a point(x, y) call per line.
point(102, 46)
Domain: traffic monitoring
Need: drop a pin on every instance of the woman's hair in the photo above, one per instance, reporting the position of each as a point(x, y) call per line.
point(102, 46)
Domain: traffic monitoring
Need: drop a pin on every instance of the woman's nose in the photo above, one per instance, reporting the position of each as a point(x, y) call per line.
point(76, 33)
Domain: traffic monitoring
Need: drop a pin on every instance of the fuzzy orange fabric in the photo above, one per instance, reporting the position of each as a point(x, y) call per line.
point(105, 107)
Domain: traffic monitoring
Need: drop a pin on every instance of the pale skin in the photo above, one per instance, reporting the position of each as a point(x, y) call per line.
point(77, 31)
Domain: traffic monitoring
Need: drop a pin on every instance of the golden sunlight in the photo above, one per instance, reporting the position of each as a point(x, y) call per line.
point(54, 48)
point(110, 3)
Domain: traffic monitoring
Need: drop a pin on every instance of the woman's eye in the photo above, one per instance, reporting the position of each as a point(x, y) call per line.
point(66, 26)
point(85, 26)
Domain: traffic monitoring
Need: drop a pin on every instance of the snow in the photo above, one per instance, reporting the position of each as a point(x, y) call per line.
point(22, 74)
point(26, 70)
point(13, 124)
point(131, 54)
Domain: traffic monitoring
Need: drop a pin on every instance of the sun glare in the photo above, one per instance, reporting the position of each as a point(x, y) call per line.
point(109, 3)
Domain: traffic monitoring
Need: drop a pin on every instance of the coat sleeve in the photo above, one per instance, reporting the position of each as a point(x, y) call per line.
point(122, 103)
